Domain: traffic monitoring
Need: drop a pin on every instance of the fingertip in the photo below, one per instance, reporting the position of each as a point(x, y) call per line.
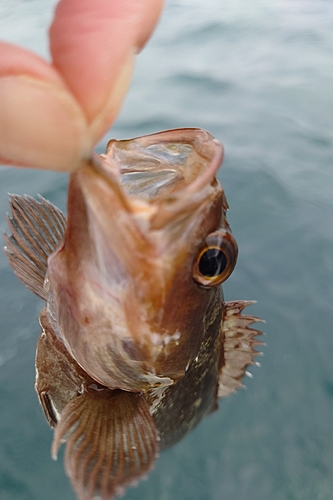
point(41, 125)
point(91, 41)
point(147, 20)
point(18, 61)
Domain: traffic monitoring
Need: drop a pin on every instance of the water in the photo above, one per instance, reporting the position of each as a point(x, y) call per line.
point(258, 75)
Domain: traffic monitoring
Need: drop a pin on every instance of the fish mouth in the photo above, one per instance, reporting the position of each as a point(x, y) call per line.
point(160, 180)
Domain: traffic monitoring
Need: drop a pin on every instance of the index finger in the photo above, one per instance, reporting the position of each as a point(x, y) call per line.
point(93, 44)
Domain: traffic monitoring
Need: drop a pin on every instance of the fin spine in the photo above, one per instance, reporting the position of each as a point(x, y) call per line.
point(238, 345)
point(37, 228)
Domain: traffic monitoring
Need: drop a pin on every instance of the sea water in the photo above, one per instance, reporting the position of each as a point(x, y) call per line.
point(259, 76)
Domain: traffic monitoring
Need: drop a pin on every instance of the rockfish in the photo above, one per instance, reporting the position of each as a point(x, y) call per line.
point(137, 343)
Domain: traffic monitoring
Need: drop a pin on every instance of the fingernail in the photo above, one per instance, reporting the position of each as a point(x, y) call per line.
point(41, 125)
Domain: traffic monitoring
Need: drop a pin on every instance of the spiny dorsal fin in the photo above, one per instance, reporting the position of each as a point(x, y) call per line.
point(111, 442)
point(36, 229)
point(238, 345)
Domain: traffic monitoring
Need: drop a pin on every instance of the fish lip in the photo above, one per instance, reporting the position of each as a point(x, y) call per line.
point(159, 213)
point(209, 147)
point(203, 142)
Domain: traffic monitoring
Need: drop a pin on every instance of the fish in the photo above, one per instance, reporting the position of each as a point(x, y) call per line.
point(137, 343)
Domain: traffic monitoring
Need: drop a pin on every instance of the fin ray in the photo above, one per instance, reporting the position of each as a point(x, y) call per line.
point(111, 441)
point(36, 228)
point(22, 218)
point(24, 240)
point(239, 344)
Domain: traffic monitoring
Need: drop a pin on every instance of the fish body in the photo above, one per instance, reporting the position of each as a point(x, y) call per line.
point(137, 342)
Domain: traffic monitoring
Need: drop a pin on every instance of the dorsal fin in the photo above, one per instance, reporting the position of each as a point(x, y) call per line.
point(111, 441)
point(239, 343)
point(37, 228)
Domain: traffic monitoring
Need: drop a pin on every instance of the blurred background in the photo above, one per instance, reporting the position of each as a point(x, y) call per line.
point(258, 75)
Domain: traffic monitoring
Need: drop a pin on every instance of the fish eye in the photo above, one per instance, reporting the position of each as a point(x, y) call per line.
point(216, 260)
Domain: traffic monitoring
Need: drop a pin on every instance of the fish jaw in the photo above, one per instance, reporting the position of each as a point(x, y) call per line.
point(121, 290)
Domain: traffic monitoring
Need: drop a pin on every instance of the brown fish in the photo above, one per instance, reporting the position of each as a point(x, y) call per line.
point(137, 343)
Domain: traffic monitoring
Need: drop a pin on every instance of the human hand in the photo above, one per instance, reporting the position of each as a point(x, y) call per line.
point(52, 115)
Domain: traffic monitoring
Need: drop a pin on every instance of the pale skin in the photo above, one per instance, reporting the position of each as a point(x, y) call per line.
point(53, 114)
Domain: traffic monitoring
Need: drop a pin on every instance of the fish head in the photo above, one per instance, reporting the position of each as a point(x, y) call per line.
point(135, 283)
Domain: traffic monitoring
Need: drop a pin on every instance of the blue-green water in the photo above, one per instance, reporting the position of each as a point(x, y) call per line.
point(259, 76)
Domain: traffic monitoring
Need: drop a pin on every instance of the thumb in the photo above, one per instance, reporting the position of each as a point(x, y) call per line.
point(41, 124)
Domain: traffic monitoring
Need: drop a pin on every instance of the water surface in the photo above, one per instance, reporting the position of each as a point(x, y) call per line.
point(258, 75)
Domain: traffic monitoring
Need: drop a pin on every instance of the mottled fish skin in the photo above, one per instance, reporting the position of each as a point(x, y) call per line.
point(137, 343)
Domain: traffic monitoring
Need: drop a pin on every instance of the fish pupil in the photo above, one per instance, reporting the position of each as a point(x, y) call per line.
point(212, 263)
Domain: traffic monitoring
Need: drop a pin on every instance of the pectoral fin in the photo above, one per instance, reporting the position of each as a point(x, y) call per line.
point(36, 230)
point(111, 441)
point(238, 344)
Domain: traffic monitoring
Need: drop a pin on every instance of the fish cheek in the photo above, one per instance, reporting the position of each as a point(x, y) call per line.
point(184, 318)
